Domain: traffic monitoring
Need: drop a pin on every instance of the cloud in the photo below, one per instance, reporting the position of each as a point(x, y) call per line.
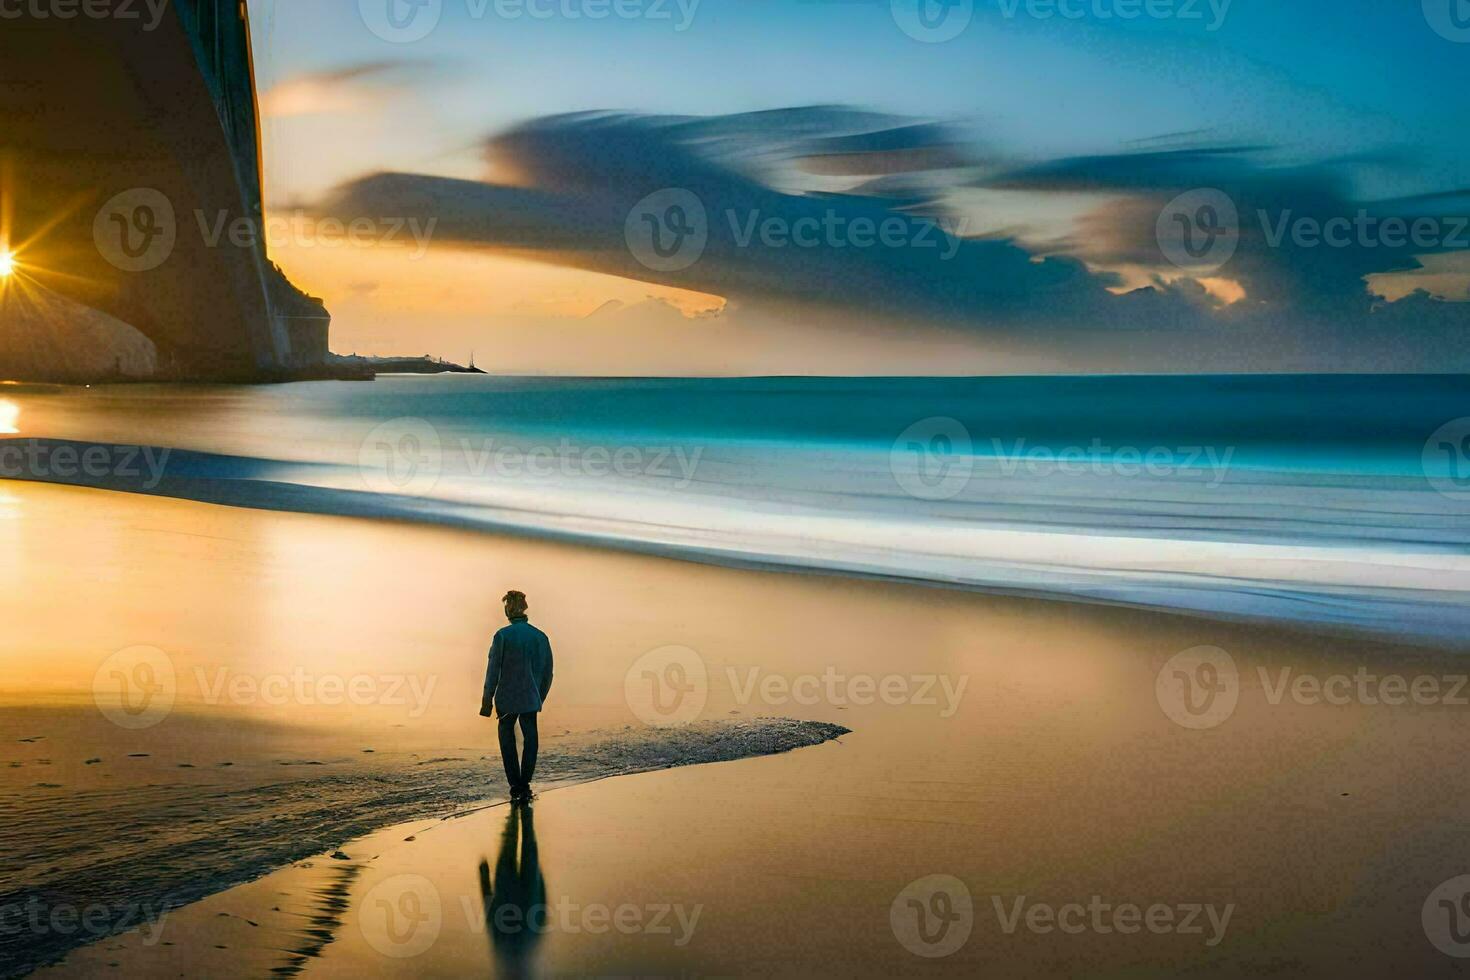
point(566, 189)
point(353, 88)
point(1305, 240)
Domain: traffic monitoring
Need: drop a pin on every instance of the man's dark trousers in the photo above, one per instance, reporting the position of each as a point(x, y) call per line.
point(519, 773)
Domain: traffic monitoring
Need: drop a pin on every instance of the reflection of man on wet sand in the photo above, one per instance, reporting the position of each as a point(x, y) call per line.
point(515, 902)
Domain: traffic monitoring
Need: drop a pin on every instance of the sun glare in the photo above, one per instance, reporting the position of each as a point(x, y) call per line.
point(7, 265)
point(9, 418)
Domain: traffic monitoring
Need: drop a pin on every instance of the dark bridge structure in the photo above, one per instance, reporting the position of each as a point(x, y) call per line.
point(124, 141)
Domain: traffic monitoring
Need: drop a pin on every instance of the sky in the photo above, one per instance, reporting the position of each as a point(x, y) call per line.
point(716, 187)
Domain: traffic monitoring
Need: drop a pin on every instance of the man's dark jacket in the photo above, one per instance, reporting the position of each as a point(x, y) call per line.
point(519, 675)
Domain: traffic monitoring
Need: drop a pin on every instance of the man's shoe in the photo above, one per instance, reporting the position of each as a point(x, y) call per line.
point(519, 793)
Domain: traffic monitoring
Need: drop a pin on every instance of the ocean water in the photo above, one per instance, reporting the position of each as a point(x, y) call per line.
point(1333, 501)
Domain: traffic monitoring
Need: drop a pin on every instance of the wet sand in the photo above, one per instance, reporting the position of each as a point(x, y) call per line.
point(1022, 748)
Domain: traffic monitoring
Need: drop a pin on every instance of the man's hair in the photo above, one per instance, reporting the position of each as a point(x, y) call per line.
point(515, 603)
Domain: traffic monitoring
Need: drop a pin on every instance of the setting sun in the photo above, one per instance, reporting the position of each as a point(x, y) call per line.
point(7, 265)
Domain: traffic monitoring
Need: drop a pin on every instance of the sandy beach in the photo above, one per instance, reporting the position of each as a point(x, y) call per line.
point(1025, 749)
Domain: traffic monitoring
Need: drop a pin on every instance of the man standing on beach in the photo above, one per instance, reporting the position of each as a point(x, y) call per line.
point(516, 685)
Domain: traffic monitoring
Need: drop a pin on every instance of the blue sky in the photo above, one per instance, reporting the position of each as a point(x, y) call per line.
point(1370, 89)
